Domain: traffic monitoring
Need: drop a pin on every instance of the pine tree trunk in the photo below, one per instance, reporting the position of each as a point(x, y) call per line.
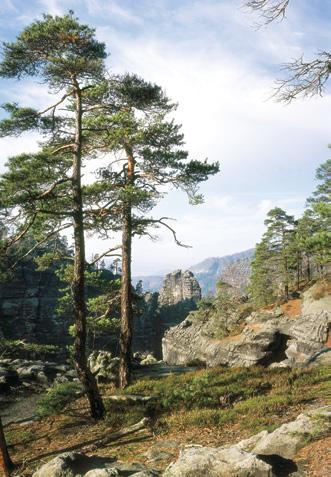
point(78, 284)
point(126, 292)
point(298, 271)
point(6, 462)
point(308, 269)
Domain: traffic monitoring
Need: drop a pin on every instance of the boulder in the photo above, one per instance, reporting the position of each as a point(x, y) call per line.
point(63, 465)
point(75, 464)
point(264, 454)
point(148, 360)
point(103, 473)
point(222, 462)
point(308, 336)
point(289, 438)
point(104, 366)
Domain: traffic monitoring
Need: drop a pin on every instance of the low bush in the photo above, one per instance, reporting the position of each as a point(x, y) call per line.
point(23, 350)
point(57, 398)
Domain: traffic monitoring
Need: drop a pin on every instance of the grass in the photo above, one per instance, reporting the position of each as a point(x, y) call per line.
point(57, 398)
point(24, 350)
point(211, 407)
point(252, 398)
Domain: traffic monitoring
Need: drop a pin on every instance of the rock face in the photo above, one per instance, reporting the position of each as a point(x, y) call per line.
point(268, 337)
point(179, 286)
point(146, 326)
point(211, 270)
point(237, 274)
point(27, 307)
point(263, 455)
point(177, 298)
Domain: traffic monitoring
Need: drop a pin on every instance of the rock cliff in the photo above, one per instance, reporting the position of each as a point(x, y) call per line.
point(269, 337)
point(28, 307)
point(177, 298)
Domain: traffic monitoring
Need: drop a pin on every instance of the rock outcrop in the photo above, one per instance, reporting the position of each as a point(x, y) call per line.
point(74, 464)
point(179, 287)
point(267, 337)
point(28, 307)
point(177, 298)
point(263, 455)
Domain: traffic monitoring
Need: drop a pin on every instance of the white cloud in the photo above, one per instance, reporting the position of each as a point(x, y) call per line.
point(111, 9)
point(209, 59)
point(51, 6)
point(7, 6)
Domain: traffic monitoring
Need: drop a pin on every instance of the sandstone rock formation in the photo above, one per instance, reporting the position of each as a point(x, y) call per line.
point(179, 286)
point(178, 296)
point(74, 464)
point(267, 337)
point(28, 307)
point(263, 455)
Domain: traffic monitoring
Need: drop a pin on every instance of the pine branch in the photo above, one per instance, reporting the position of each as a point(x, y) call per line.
point(106, 254)
point(32, 249)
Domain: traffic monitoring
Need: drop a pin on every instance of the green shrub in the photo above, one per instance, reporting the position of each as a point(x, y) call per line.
point(57, 397)
point(24, 350)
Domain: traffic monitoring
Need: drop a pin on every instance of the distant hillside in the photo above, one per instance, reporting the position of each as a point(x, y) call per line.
point(234, 269)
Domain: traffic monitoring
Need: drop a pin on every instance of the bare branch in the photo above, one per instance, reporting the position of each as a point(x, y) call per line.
point(32, 249)
point(23, 233)
point(161, 222)
point(305, 79)
point(55, 105)
point(52, 187)
point(66, 146)
point(270, 10)
point(106, 254)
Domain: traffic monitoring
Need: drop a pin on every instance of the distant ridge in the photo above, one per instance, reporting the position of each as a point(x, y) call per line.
point(209, 271)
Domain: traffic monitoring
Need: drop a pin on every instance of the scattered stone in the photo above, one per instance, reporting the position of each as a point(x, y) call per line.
point(104, 366)
point(103, 473)
point(148, 360)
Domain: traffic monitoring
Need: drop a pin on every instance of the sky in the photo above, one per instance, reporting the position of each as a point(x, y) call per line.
point(210, 57)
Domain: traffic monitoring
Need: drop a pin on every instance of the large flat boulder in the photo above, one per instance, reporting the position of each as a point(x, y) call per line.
point(265, 454)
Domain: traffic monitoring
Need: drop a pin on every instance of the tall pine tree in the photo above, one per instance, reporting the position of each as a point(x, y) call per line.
point(65, 55)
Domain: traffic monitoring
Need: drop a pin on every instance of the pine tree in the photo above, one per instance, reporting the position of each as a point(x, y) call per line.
point(148, 155)
point(49, 192)
point(320, 210)
point(261, 287)
point(275, 262)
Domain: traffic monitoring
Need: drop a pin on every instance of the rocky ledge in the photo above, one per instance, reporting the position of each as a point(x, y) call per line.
point(263, 455)
point(268, 337)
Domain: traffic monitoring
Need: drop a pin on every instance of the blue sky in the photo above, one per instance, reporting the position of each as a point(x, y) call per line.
point(210, 58)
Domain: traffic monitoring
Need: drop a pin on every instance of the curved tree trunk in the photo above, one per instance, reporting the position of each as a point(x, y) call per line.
point(126, 292)
point(78, 284)
point(5, 461)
